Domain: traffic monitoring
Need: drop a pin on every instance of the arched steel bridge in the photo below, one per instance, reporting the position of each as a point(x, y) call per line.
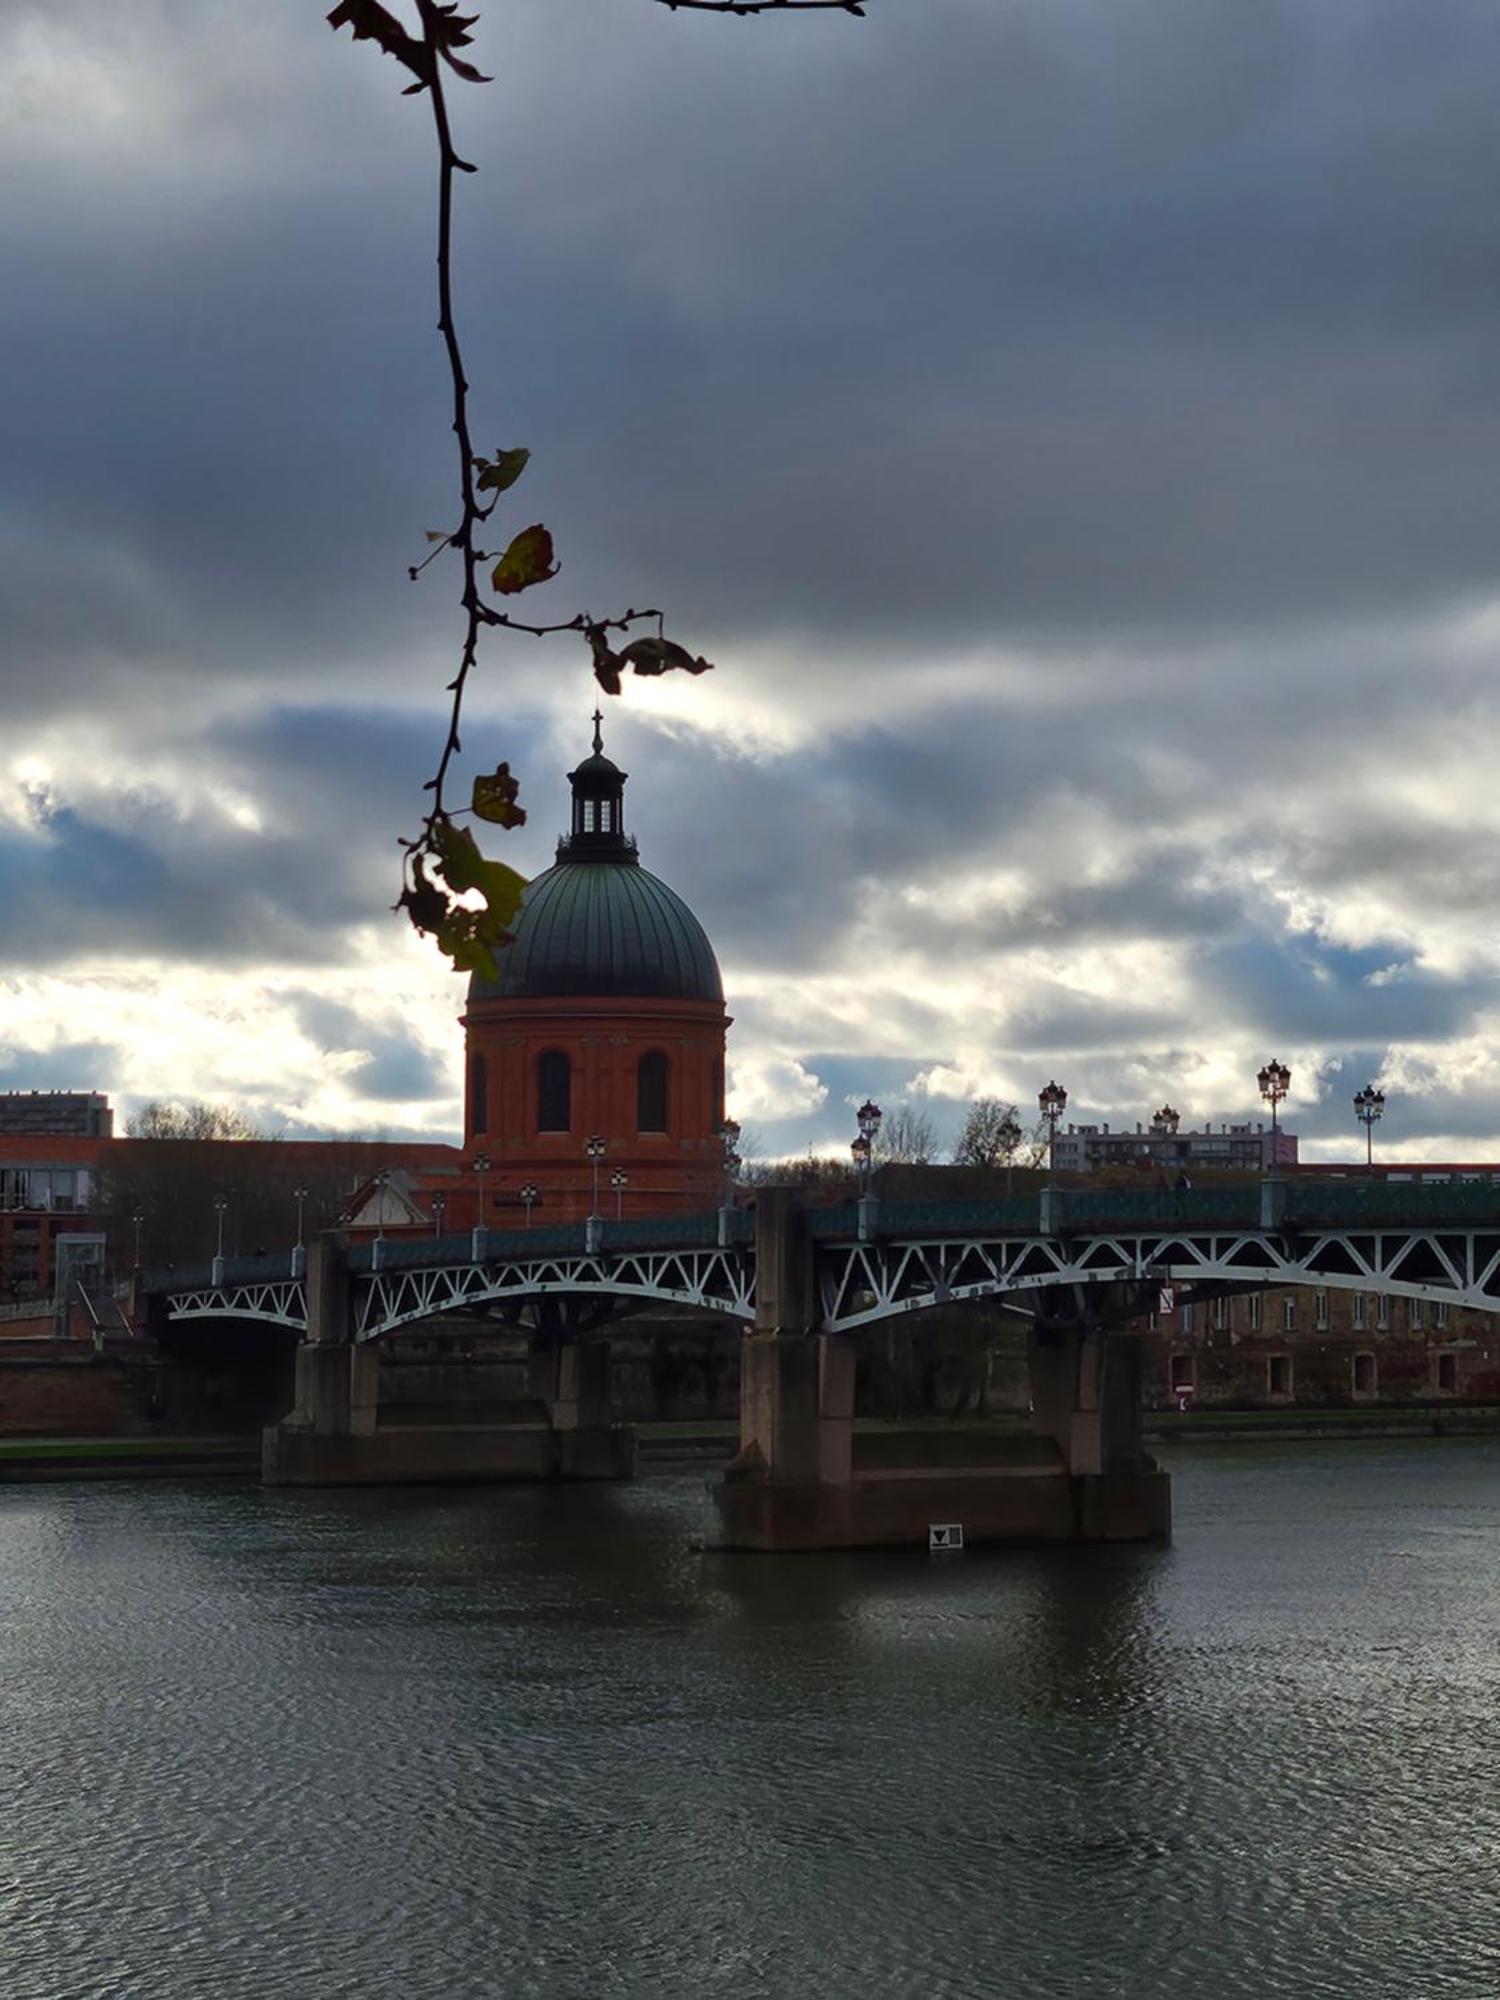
point(873, 1259)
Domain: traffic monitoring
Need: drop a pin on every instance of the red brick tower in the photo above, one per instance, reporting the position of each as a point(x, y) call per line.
point(607, 1018)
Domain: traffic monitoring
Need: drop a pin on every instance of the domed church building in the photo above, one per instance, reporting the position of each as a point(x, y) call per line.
point(606, 1021)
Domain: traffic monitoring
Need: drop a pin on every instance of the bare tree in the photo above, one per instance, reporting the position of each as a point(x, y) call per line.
point(992, 1136)
point(161, 1120)
point(907, 1138)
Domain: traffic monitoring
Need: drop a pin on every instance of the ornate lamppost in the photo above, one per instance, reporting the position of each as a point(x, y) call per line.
point(221, 1207)
point(1275, 1081)
point(868, 1118)
point(619, 1180)
point(139, 1219)
point(1008, 1136)
point(439, 1206)
point(479, 1243)
point(1052, 1101)
point(594, 1147)
point(729, 1134)
point(528, 1193)
point(1368, 1105)
point(299, 1195)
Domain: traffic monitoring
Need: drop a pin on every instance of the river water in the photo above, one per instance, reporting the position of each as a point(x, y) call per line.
point(429, 1745)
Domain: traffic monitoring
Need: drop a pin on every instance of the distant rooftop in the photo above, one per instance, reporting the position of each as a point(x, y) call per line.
point(73, 1114)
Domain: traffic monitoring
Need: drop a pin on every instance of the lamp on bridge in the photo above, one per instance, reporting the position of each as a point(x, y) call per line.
point(868, 1118)
point(439, 1206)
point(1052, 1102)
point(729, 1137)
point(480, 1244)
point(1164, 1123)
point(528, 1193)
point(221, 1205)
point(1275, 1081)
point(1368, 1105)
point(138, 1219)
point(619, 1180)
point(594, 1146)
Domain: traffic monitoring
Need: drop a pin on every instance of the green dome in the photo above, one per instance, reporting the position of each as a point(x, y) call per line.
point(593, 927)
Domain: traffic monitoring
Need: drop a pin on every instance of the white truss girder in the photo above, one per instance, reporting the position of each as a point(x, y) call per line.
point(863, 1282)
point(711, 1280)
point(282, 1301)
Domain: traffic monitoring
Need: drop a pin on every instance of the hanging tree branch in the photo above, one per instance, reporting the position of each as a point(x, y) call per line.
point(471, 936)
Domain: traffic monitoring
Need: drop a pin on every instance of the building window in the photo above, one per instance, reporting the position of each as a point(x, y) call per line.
point(1447, 1373)
point(1362, 1378)
point(1182, 1374)
point(1279, 1375)
point(1382, 1312)
point(589, 815)
point(1289, 1312)
point(1440, 1313)
point(1359, 1312)
point(1414, 1315)
point(479, 1091)
point(1221, 1314)
point(1321, 1303)
point(651, 1092)
point(554, 1091)
point(1185, 1316)
point(1252, 1312)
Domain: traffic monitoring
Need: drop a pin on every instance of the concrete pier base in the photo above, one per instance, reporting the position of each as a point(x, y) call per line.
point(445, 1454)
point(340, 1432)
point(892, 1508)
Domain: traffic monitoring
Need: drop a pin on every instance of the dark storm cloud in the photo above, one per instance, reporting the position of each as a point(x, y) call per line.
point(1147, 346)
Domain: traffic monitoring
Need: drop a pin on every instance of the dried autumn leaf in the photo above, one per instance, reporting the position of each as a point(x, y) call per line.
point(495, 798)
point(606, 663)
point(528, 560)
point(423, 901)
point(500, 473)
point(371, 23)
point(663, 656)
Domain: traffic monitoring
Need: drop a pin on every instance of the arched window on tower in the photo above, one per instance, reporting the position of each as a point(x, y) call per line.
point(479, 1093)
point(651, 1092)
point(554, 1091)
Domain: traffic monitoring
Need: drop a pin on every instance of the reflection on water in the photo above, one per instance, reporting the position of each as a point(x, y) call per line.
point(437, 1744)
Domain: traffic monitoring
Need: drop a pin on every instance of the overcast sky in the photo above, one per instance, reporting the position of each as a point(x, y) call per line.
point(1072, 426)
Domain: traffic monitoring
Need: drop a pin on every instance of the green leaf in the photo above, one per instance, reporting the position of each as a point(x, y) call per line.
point(495, 798)
point(465, 868)
point(662, 656)
point(528, 560)
point(500, 473)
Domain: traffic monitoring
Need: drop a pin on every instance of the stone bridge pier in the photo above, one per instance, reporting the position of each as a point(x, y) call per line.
point(340, 1431)
point(800, 1480)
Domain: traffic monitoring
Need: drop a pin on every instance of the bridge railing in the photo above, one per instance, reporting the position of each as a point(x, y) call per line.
point(1384, 1204)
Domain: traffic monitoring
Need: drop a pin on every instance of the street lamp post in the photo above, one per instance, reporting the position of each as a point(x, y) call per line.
point(1368, 1105)
point(863, 1149)
point(729, 1135)
point(528, 1193)
point(479, 1243)
point(1275, 1081)
point(221, 1206)
point(594, 1147)
point(139, 1219)
point(619, 1180)
point(1008, 1136)
point(1052, 1100)
point(439, 1206)
point(299, 1248)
